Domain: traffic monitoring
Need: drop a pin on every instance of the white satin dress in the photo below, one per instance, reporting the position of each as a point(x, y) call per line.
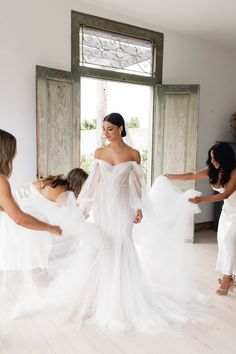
point(226, 236)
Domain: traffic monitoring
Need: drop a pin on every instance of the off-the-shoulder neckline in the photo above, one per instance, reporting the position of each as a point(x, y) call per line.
point(119, 164)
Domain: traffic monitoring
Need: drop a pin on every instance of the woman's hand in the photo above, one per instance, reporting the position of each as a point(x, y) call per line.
point(85, 214)
point(56, 230)
point(138, 217)
point(195, 200)
point(168, 175)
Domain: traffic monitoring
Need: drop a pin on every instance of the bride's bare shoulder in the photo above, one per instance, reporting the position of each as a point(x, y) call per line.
point(136, 156)
point(99, 152)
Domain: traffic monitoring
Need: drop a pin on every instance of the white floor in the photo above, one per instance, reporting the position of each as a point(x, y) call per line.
point(45, 335)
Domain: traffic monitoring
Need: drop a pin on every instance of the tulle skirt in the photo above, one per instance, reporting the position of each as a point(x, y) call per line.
point(136, 282)
point(21, 248)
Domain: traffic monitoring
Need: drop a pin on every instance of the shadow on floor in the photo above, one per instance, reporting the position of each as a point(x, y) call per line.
point(205, 236)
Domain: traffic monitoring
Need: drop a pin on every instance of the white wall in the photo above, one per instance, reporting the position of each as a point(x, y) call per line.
point(188, 60)
point(38, 32)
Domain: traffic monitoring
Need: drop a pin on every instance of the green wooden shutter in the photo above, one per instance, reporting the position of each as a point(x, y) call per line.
point(58, 117)
point(175, 130)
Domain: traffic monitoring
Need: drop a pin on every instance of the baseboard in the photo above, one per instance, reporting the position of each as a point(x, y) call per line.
point(207, 225)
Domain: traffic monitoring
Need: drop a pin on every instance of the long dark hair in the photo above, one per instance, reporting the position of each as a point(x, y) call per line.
point(224, 155)
point(75, 180)
point(72, 182)
point(116, 119)
point(7, 152)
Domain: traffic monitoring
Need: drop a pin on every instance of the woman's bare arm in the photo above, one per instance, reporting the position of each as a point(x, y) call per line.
point(201, 174)
point(229, 189)
point(9, 205)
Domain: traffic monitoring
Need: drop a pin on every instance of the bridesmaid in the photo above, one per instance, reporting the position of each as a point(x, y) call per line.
point(221, 173)
point(22, 249)
point(52, 187)
point(7, 202)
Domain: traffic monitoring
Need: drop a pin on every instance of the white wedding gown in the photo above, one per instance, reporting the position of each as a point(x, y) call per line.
point(124, 277)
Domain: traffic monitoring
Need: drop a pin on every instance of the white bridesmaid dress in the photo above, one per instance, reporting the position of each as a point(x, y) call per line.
point(21, 248)
point(226, 236)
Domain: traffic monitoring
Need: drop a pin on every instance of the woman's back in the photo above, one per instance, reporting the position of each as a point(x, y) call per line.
point(50, 193)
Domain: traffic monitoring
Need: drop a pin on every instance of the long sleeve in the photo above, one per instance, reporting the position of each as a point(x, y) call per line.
point(89, 190)
point(136, 186)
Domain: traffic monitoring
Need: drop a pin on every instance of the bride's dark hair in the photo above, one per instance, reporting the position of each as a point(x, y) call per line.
point(224, 155)
point(116, 119)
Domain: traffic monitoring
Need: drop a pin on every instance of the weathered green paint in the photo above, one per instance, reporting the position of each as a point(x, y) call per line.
point(175, 130)
point(58, 124)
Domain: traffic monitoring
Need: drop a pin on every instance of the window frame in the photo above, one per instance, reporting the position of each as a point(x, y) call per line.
point(78, 19)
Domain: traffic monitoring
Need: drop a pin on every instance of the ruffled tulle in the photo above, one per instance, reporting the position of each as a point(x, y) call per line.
point(21, 248)
point(108, 272)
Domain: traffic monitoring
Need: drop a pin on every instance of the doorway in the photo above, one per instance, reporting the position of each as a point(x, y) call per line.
point(132, 101)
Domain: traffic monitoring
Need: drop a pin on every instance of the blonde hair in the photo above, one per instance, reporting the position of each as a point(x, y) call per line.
point(7, 152)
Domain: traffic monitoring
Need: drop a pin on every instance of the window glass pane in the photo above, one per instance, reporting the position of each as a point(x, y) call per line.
point(111, 51)
point(135, 106)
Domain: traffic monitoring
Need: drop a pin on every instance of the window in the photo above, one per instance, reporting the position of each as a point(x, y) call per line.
point(107, 49)
point(116, 52)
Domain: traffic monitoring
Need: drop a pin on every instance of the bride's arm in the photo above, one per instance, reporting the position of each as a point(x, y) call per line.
point(138, 216)
point(137, 189)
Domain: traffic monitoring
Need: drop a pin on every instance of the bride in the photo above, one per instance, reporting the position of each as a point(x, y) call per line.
point(108, 279)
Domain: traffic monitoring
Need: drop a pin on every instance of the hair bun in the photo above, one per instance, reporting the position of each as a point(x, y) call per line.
point(116, 119)
point(123, 133)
